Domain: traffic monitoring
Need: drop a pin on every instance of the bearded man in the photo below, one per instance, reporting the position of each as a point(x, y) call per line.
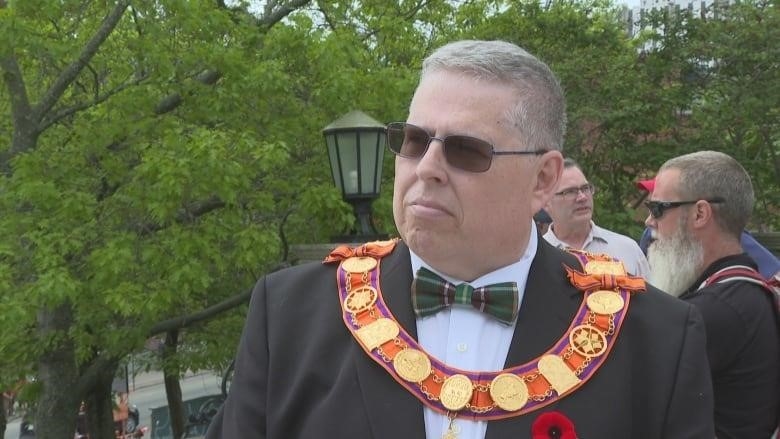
point(699, 206)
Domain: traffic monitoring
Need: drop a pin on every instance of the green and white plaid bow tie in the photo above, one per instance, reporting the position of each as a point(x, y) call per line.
point(431, 294)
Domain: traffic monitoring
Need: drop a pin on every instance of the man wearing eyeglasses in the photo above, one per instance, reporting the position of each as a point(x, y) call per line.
point(571, 209)
point(470, 327)
point(699, 206)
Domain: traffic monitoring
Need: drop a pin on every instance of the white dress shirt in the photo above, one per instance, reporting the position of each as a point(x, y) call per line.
point(466, 338)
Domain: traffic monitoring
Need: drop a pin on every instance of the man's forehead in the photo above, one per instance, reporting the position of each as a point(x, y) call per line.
point(573, 175)
point(666, 182)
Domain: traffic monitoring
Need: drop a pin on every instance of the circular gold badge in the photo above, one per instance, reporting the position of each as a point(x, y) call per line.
point(358, 264)
point(456, 392)
point(360, 299)
point(412, 365)
point(605, 302)
point(588, 340)
point(509, 392)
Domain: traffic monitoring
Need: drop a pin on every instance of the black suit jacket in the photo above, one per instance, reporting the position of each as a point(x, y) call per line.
point(300, 374)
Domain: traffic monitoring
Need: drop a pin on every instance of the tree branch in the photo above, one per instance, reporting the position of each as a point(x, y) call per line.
point(271, 17)
point(14, 83)
point(65, 112)
point(186, 215)
point(206, 314)
point(70, 73)
point(172, 101)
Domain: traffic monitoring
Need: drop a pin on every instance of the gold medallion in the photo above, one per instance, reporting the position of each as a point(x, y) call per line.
point(557, 373)
point(509, 392)
point(605, 302)
point(358, 264)
point(588, 340)
point(450, 434)
point(605, 267)
point(456, 392)
point(360, 299)
point(412, 365)
point(377, 333)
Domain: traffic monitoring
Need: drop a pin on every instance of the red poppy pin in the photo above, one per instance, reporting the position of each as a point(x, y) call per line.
point(553, 425)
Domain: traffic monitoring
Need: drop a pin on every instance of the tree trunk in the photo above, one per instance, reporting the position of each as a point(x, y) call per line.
point(172, 385)
point(58, 405)
point(100, 405)
point(3, 419)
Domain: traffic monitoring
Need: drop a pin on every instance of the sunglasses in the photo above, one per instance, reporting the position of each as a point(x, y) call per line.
point(657, 208)
point(462, 152)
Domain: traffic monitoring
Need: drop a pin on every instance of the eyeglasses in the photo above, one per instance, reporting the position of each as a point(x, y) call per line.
point(657, 208)
point(572, 192)
point(462, 152)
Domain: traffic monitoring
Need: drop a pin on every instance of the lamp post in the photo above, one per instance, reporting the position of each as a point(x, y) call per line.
point(356, 145)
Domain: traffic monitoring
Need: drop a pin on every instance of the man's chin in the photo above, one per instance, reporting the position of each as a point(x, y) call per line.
point(673, 266)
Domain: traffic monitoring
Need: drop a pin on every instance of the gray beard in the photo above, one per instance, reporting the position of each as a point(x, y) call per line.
point(675, 262)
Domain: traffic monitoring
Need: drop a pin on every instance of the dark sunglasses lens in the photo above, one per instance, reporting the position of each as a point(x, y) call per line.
point(407, 140)
point(656, 210)
point(468, 153)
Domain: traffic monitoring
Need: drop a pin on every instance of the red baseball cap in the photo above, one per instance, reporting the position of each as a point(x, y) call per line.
point(646, 185)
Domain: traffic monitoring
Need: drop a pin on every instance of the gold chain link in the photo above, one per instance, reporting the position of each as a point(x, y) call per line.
point(382, 354)
point(611, 329)
point(482, 387)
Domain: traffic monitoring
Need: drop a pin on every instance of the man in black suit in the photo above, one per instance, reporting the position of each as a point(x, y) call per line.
point(536, 343)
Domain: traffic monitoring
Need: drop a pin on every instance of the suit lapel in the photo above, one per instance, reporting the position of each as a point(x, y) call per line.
point(548, 307)
point(385, 400)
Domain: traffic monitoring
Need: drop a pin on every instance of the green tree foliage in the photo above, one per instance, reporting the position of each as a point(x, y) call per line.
point(159, 154)
point(716, 74)
point(144, 180)
point(736, 105)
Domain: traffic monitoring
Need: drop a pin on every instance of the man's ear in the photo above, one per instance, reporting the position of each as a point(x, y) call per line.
point(703, 214)
point(548, 172)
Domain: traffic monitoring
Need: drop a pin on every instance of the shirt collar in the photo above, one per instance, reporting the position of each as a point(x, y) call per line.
point(514, 272)
point(596, 232)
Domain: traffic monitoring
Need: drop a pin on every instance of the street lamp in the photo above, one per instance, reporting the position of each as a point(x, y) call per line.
point(356, 145)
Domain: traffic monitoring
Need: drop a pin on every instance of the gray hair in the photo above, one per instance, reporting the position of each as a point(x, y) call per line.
point(712, 174)
point(540, 113)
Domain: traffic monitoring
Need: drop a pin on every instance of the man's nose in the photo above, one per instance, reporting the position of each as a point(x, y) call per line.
point(433, 163)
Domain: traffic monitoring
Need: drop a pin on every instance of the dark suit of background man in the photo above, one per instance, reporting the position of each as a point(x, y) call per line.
point(478, 155)
point(699, 207)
